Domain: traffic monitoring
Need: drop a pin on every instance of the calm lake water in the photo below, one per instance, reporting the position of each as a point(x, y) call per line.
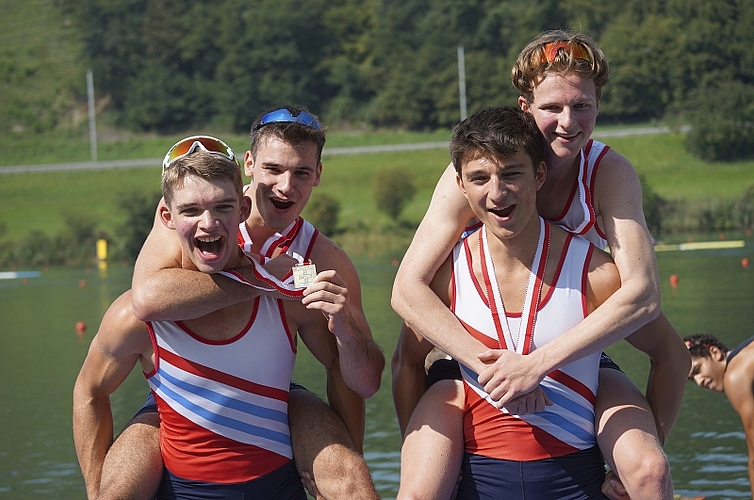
point(41, 353)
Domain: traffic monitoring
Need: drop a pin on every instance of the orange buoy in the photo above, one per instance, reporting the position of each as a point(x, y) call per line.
point(674, 279)
point(745, 262)
point(80, 327)
point(82, 283)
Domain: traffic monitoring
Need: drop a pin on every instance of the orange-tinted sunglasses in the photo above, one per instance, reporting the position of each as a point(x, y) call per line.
point(575, 49)
point(207, 143)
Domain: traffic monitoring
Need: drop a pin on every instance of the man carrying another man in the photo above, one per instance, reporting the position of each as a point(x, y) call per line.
point(284, 163)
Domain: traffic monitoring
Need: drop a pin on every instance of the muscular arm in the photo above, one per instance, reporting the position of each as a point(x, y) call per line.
point(635, 307)
point(162, 290)
point(336, 293)
point(408, 375)
point(412, 297)
point(348, 404)
point(336, 331)
point(670, 365)
point(114, 351)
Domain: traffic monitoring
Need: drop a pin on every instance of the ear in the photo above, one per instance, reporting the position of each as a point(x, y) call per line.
point(459, 182)
point(245, 208)
point(716, 354)
point(163, 212)
point(318, 174)
point(248, 164)
point(523, 104)
point(540, 174)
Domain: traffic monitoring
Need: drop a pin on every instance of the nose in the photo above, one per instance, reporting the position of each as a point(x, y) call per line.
point(207, 220)
point(565, 119)
point(285, 182)
point(699, 380)
point(498, 189)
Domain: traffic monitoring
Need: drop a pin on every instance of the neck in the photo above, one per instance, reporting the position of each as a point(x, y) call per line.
point(516, 249)
point(560, 168)
point(259, 231)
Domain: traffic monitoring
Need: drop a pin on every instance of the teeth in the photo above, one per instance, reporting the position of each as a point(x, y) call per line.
point(209, 239)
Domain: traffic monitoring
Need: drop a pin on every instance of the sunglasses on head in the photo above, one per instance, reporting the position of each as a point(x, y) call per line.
point(207, 143)
point(282, 115)
point(575, 49)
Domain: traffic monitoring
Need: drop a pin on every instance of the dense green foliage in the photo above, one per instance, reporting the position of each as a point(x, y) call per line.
point(393, 190)
point(323, 211)
point(176, 65)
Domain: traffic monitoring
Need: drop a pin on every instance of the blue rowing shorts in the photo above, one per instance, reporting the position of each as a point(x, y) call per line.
point(576, 476)
point(283, 483)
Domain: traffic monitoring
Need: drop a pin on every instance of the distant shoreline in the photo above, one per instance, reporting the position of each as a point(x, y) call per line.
point(336, 151)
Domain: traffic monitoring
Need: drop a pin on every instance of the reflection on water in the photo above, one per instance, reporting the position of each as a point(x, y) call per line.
point(42, 352)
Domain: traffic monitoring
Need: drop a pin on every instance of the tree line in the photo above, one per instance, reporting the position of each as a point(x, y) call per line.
point(170, 65)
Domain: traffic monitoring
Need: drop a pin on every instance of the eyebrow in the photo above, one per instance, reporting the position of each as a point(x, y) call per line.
point(230, 199)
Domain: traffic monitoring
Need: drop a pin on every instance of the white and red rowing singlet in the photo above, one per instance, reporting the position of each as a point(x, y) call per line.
point(579, 217)
point(223, 404)
point(566, 426)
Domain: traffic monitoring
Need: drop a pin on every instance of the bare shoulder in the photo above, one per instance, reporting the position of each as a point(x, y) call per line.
point(120, 329)
point(326, 254)
point(617, 184)
point(739, 374)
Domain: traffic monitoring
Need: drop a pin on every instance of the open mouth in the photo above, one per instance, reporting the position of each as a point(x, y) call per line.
point(281, 204)
point(502, 212)
point(209, 244)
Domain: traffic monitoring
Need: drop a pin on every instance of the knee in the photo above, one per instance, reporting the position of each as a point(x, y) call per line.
point(648, 477)
point(341, 473)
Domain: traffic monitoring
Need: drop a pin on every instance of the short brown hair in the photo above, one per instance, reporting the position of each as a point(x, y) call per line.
point(532, 63)
point(202, 164)
point(497, 132)
point(292, 132)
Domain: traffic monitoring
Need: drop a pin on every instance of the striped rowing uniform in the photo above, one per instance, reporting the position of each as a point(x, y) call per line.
point(226, 402)
point(568, 425)
point(578, 216)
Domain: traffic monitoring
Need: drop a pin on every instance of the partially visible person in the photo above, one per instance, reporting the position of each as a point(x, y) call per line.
point(517, 284)
point(222, 403)
point(590, 190)
point(718, 369)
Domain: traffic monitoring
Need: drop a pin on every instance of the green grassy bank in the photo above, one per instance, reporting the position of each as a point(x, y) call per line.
point(42, 201)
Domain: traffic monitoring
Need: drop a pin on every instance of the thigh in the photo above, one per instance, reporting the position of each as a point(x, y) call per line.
point(433, 447)
point(314, 427)
point(133, 465)
point(624, 420)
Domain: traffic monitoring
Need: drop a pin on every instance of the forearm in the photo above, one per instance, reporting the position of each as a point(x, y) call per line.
point(180, 294)
point(627, 310)
point(349, 406)
point(409, 385)
point(361, 361)
point(670, 365)
point(92, 436)
point(665, 386)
